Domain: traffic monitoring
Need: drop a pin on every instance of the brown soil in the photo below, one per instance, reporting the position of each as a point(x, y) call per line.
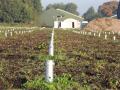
point(104, 24)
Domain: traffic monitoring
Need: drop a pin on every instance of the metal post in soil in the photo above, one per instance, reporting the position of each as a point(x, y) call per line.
point(50, 63)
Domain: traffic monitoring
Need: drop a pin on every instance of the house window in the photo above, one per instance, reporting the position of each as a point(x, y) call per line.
point(58, 16)
point(73, 25)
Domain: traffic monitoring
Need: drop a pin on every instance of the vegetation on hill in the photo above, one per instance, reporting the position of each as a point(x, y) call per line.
point(19, 11)
point(108, 8)
point(91, 14)
point(70, 7)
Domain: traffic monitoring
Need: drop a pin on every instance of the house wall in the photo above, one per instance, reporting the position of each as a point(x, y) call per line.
point(68, 23)
point(56, 24)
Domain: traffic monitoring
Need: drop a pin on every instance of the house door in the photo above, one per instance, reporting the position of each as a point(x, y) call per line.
point(73, 25)
point(59, 24)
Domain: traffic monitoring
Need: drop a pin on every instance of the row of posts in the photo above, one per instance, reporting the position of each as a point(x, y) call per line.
point(99, 34)
point(18, 28)
point(10, 33)
point(109, 33)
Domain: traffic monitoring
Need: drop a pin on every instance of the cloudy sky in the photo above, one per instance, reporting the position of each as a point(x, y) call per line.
point(83, 5)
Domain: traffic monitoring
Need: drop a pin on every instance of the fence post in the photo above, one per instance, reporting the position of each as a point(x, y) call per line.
point(11, 34)
point(99, 34)
point(114, 38)
point(50, 63)
point(94, 34)
point(6, 34)
point(105, 36)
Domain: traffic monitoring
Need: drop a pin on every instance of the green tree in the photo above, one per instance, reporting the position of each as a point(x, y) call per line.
point(37, 5)
point(91, 14)
point(18, 11)
point(70, 7)
point(56, 6)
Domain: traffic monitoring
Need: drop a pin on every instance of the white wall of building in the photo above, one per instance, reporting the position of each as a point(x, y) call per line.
point(55, 24)
point(68, 23)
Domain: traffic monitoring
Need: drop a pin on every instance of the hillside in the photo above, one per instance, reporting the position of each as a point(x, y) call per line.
point(104, 24)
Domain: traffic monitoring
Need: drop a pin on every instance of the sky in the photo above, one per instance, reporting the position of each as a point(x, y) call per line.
point(83, 5)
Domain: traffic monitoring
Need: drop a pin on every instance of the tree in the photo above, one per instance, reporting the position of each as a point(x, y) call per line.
point(70, 7)
point(108, 8)
point(18, 11)
point(37, 5)
point(118, 11)
point(90, 14)
point(56, 6)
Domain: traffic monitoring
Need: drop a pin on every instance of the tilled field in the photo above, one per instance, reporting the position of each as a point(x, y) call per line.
point(92, 61)
point(19, 60)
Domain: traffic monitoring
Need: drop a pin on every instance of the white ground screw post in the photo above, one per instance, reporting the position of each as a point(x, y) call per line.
point(50, 63)
point(11, 34)
point(6, 34)
point(105, 36)
point(114, 38)
point(94, 34)
point(85, 33)
point(21, 32)
point(99, 34)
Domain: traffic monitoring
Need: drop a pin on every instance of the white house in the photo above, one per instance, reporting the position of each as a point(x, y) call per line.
point(67, 23)
point(58, 18)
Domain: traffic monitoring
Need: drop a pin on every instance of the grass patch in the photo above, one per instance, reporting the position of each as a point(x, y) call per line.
point(63, 82)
